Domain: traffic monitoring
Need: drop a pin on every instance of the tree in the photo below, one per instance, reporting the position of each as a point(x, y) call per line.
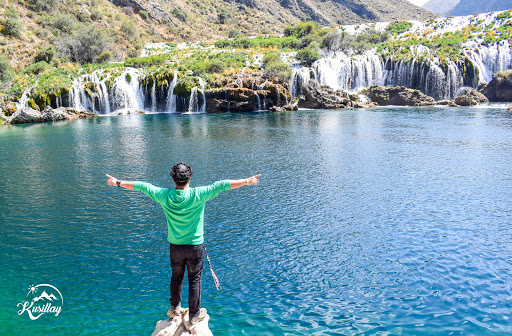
point(84, 45)
point(307, 56)
point(45, 54)
point(6, 71)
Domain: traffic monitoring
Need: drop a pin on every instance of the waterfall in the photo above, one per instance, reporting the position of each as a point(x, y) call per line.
point(193, 102)
point(300, 77)
point(171, 97)
point(489, 60)
point(349, 73)
point(23, 100)
point(426, 76)
point(202, 87)
point(127, 91)
point(153, 97)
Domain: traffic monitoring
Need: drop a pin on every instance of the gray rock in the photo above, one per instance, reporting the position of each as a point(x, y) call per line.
point(499, 89)
point(179, 326)
point(447, 103)
point(29, 115)
point(469, 97)
point(316, 96)
point(398, 95)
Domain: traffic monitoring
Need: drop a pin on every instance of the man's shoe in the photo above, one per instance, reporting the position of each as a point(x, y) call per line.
point(198, 317)
point(175, 311)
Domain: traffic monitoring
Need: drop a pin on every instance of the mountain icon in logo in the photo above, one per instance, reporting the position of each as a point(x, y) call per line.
point(45, 296)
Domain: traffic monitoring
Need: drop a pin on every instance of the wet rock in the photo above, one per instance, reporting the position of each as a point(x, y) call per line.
point(29, 115)
point(447, 102)
point(316, 96)
point(499, 89)
point(289, 107)
point(398, 95)
point(469, 97)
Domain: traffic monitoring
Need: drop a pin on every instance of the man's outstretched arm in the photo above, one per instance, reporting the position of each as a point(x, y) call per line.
point(118, 183)
point(248, 181)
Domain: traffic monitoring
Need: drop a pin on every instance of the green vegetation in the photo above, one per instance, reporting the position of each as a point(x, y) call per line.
point(504, 15)
point(180, 14)
point(307, 56)
point(398, 27)
point(11, 26)
point(275, 67)
point(6, 71)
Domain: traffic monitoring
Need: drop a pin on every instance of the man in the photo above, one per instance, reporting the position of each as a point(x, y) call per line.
point(184, 210)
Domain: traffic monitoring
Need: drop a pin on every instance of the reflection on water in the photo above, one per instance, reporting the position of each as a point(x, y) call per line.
point(386, 221)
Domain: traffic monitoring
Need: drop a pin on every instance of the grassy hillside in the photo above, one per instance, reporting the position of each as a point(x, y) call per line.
point(122, 27)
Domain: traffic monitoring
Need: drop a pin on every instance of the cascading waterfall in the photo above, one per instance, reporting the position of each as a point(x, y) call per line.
point(489, 60)
point(300, 77)
point(353, 73)
point(23, 100)
point(348, 73)
point(171, 97)
point(426, 76)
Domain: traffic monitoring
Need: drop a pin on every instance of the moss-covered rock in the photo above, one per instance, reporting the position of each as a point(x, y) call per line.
point(499, 89)
point(185, 84)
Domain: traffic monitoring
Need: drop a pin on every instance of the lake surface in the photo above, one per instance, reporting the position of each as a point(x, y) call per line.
point(386, 221)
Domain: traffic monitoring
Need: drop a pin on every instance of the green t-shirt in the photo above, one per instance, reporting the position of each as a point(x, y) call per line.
point(184, 209)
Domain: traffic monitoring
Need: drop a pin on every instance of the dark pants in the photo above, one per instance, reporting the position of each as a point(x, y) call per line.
point(191, 256)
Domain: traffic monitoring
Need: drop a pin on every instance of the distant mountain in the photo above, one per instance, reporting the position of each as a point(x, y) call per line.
point(468, 7)
point(441, 7)
point(45, 296)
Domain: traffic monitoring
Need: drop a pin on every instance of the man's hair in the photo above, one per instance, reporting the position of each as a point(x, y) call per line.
point(181, 173)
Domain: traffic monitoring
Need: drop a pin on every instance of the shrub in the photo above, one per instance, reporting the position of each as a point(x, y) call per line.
point(42, 5)
point(96, 15)
point(65, 23)
point(45, 54)
point(233, 33)
point(271, 57)
point(144, 15)
point(104, 57)
point(11, 25)
point(307, 56)
point(180, 14)
point(301, 29)
point(36, 68)
point(140, 62)
point(279, 69)
point(6, 71)
point(224, 16)
point(84, 45)
point(129, 29)
point(398, 27)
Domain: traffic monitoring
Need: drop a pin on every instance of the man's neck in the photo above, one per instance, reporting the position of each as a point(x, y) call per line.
point(182, 187)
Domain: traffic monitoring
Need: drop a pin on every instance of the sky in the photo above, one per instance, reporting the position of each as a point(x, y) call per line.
point(418, 2)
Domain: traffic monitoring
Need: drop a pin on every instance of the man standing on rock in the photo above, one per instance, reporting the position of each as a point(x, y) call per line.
point(184, 210)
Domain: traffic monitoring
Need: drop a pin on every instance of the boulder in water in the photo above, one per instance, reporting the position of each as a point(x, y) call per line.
point(317, 96)
point(28, 115)
point(469, 97)
point(499, 89)
point(398, 95)
point(446, 102)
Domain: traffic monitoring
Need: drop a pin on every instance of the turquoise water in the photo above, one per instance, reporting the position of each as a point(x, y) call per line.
point(384, 221)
